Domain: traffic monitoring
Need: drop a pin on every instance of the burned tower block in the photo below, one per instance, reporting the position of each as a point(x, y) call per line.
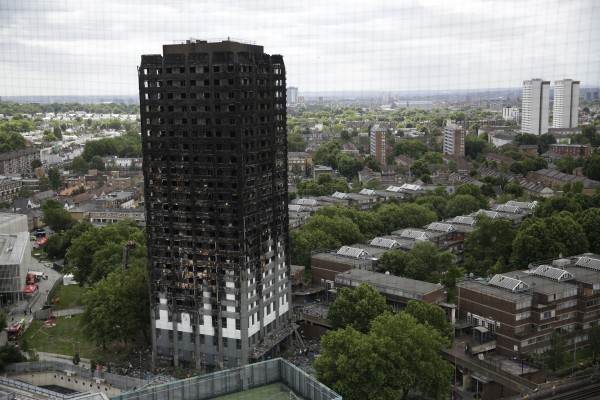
point(213, 125)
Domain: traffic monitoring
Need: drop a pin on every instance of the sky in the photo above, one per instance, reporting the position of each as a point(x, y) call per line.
point(90, 47)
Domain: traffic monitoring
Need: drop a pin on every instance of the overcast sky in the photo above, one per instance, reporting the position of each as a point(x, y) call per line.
point(90, 47)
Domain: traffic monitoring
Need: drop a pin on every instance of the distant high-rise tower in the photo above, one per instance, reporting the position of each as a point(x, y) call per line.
point(380, 147)
point(536, 106)
point(454, 140)
point(566, 104)
point(213, 119)
point(292, 95)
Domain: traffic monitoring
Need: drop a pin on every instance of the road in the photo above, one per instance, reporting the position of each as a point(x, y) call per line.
point(22, 308)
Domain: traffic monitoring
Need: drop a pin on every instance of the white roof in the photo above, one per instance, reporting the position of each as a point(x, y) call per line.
point(554, 273)
point(368, 192)
point(506, 282)
point(440, 226)
point(508, 209)
point(393, 188)
point(385, 243)
point(408, 186)
point(339, 195)
point(463, 220)
point(307, 202)
point(414, 234)
point(588, 262)
point(491, 214)
point(295, 207)
point(352, 252)
point(522, 204)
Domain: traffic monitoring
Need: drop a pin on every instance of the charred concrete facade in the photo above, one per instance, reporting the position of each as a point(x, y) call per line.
point(215, 174)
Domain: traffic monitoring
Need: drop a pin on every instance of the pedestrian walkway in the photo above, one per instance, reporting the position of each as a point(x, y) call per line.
point(83, 362)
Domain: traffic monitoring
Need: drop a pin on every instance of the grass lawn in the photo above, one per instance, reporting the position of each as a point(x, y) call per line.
point(61, 339)
point(70, 296)
point(64, 337)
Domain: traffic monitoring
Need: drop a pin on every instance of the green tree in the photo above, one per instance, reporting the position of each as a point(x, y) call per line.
point(525, 138)
point(427, 263)
point(56, 217)
point(556, 353)
point(340, 228)
point(10, 354)
point(96, 252)
point(557, 204)
point(490, 243)
point(419, 168)
point(36, 163)
point(594, 338)
point(396, 356)
point(372, 163)
point(348, 365)
point(327, 153)
point(122, 296)
point(25, 192)
point(55, 178)
point(57, 132)
point(544, 142)
point(590, 223)
point(400, 216)
point(591, 167)
point(462, 204)
point(546, 238)
point(296, 141)
point(474, 146)
point(474, 191)
point(433, 315)
point(413, 148)
point(79, 165)
point(488, 190)
point(97, 163)
point(304, 242)
point(567, 164)
point(395, 261)
point(356, 308)
point(514, 189)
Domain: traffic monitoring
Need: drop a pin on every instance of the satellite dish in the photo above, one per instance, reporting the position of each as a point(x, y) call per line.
point(387, 272)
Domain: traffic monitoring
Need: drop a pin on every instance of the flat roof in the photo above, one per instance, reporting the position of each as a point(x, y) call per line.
point(355, 262)
point(12, 248)
point(493, 291)
point(379, 280)
point(539, 284)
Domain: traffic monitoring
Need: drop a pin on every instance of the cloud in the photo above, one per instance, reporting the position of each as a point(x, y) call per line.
point(94, 47)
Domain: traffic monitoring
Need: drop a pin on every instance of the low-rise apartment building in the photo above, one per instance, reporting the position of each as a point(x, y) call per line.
point(522, 309)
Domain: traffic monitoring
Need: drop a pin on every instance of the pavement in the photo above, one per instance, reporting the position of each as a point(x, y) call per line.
point(22, 308)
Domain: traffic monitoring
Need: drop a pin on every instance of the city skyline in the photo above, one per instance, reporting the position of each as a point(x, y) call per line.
point(94, 48)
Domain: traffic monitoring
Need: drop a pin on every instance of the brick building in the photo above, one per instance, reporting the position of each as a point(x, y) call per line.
point(574, 150)
point(18, 161)
point(522, 309)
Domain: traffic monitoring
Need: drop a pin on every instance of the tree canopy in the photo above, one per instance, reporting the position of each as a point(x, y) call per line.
point(117, 307)
point(99, 251)
point(423, 262)
point(546, 238)
point(56, 217)
point(433, 315)
point(357, 308)
point(397, 355)
point(489, 243)
point(591, 167)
